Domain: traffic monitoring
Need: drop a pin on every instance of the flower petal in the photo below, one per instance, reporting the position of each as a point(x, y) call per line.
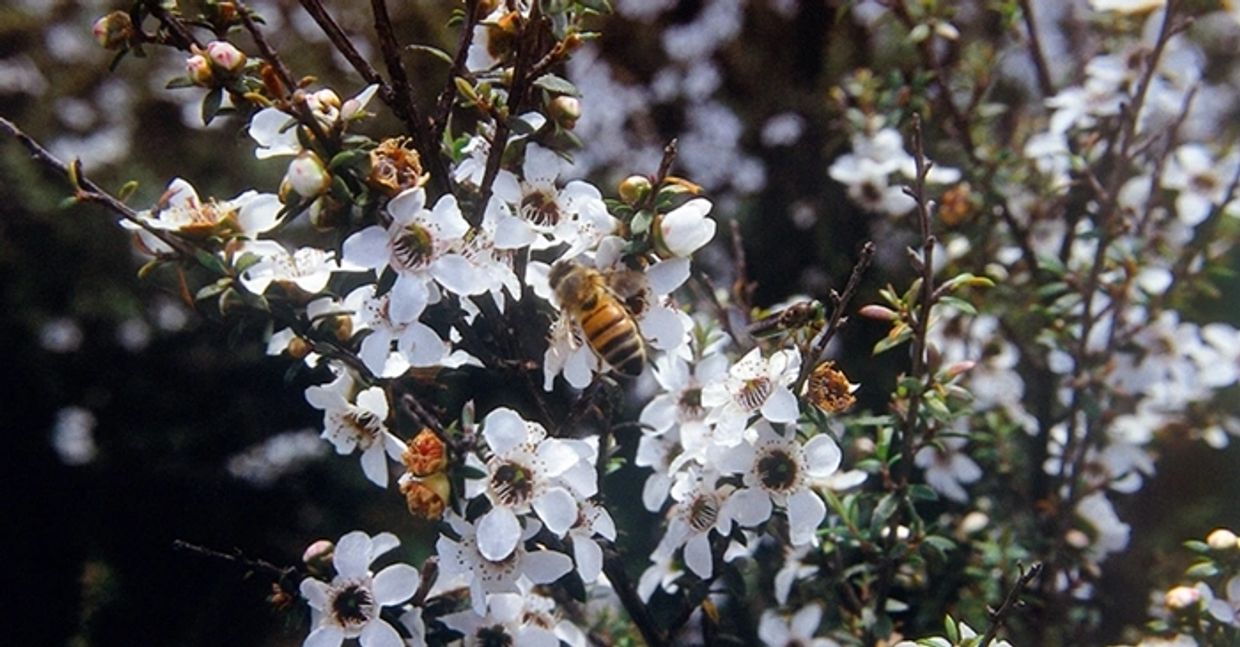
point(781, 406)
point(503, 429)
point(498, 533)
point(315, 592)
point(749, 506)
point(374, 464)
point(805, 512)
point(352, 554)
point(456, 273)
point(558, 510)
point(379, 633)
point(324, 637)
point(395, 584)
point(367, 248)
point(822, 456)
point(698, 557)
point(545, 566)
point(589, 558)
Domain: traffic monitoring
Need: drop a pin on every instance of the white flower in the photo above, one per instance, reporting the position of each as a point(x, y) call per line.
point(948, 468)
point(1127, 6)
point(418, 245)
point(349, 606)
point(1110, 534)
point(686, 228)
point(350, 426)
point(867, 168)
point(661, 574)
point(416, 343)
point(508, 621)
point(658, 451)
point(793, 569)
point(1201, 179)
point(680, 405)
point(180, 210)
point(593, 521)
point(701, 505)
point(797, 631)
point(545, 214)
point(275, 132)
point(461, 561)
point(308, 268)
point(778, 470)
point(754, 386)
point(523, 473)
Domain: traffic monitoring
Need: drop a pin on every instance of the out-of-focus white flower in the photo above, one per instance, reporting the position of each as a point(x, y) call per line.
point(508, 621)
point(778, 470)
point(661, 574)
point(262, 464)
point(461, 563)
point(348, 426)
point(794, 568)
point(966, 633)
point(523, 474)
point(418, 245)
point(1201, 179)
point(798, 631)
point(349, 606)
point(73, 436)
point(659, 452)
point(1127, 6)
point(1111, 534)
point(948, 468)
point(417, 344)
point(180, 210)
point(753, 386)
point(867, 169)
point(309, 268)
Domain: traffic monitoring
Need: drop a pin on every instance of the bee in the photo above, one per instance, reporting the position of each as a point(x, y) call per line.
point(601, 304)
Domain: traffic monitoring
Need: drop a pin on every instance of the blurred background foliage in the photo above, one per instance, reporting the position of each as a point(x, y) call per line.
point(131, 416)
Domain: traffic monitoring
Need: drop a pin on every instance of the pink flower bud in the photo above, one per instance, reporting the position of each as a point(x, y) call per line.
point(225, 55)
point(198, 68)
point(877, 312)
point(1222, 539)
point(1181, 598)
point(113, 30)
point(307, 175)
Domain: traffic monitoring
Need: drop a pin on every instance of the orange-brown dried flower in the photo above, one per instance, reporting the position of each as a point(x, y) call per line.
point(395, 166)
point(829, 389)
point(426, 497)
point(956, 204)
point(425, 454)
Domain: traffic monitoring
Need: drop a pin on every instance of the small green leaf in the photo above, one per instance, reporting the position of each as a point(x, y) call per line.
point(211, 262)
point(921, 492)
point(211, 104)
point(640, 223)
point(178, 83)
point(1197, 546)
point(886, 507)
point(127, 190)
point(1202, 570)
point(959, 304)
point(557, 85)
point(351, 159)
point(433, 51)
point(951, 630)
point(472, 473)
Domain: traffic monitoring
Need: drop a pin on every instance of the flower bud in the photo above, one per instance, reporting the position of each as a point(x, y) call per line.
point(307, 175)
point(298, 348)
point(565, 111)
point(958, 368)
point(1222, 539)
point(425, 454)
point(878, 313)
point(426, 497)
point(1181, 598)
point(634, 189)
point(225, 55)
point(318, 555)
point(975, 521)
point(198, 69)
point(114, 30)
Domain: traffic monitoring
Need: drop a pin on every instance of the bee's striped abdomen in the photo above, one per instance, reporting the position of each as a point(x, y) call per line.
point(613, 334)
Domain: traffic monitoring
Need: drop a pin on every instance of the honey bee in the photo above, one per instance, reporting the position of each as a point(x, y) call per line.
point(602, 305)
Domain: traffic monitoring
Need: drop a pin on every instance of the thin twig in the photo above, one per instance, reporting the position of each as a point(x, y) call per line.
point(1010, 602)
point(443, 105)
point(1045, 85)
point(287, 577)
point(185, 38)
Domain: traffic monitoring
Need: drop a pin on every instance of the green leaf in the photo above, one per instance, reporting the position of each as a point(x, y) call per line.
point(211, 104)
point(950, 629)
point(898, 335)
point(886, 507)
point(246, 261)
point(211, 262)
point(1202, 570)
point(178, 83)
point(127, 190)
point(1052, 264)
point(433, 51)
point(959, 304)
point(211, 289)
point(350, 159)
point(640, 223)
point(472, 473)
point(1197, 546)
point(557, 85)
point(940, 543)
point(922, 492)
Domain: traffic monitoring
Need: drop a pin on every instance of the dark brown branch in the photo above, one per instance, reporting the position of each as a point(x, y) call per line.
point(1045, 85)
point(180, 32)
point(402, 97)
point(345, 46)
point(1010, 602)
point(443, 105)
point(288, 577)
point(613, 566)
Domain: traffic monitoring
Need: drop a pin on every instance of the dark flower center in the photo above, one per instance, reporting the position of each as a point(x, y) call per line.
point(540, 208)
point(691, 403)
point(777, 470)
point(365, 425)
point(512, 483)
point(754, 393)
point(414, 247)
point(703, 512)
point(493, 636)
point(353, 606)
